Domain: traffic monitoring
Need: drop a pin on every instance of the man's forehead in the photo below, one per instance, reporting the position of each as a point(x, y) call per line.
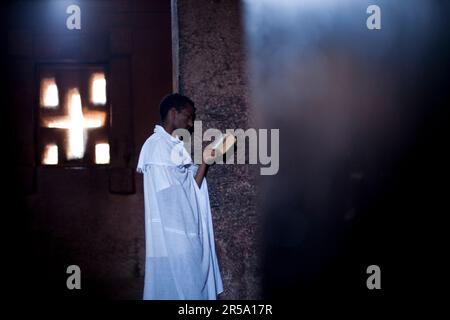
point(188, 109)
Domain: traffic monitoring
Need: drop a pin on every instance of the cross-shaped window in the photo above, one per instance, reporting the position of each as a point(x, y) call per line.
point(74, 113)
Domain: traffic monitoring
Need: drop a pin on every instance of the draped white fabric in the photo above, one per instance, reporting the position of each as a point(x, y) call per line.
point(181, 261)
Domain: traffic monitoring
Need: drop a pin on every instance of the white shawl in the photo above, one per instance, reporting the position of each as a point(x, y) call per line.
point(181, 261)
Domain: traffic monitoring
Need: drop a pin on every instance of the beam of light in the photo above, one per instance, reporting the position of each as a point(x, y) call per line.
point(296, 3)
point(102, 153)
point(49, 93)
point(50, 154)
point(76, 122)
point(98, 88)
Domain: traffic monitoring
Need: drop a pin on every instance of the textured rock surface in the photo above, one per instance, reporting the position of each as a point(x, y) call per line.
point(211, 72)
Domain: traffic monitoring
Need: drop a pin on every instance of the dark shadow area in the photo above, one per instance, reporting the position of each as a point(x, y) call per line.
point(363, 118)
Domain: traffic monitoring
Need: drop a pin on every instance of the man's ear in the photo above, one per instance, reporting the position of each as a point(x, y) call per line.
point(172, 112)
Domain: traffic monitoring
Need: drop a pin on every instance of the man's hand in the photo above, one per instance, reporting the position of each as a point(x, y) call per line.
point(209, 156)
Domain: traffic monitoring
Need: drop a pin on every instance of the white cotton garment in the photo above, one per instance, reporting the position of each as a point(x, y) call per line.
point(181, 261)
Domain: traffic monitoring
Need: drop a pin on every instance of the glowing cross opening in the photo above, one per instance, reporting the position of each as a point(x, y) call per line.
point(76, 122)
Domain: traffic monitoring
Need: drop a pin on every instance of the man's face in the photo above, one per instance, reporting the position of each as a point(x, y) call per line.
point(185, 118)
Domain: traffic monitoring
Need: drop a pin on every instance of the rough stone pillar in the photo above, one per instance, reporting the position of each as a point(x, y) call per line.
point(211, 71)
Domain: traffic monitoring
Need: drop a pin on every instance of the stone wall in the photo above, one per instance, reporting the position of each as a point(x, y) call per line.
point(211, 72)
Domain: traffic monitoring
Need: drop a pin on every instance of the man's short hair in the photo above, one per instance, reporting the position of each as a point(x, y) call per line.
point(174, 100)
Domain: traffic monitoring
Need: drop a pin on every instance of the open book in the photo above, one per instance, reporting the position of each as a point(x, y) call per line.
point(220, 146)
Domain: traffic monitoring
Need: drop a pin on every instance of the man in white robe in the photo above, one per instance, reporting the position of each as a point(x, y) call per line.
point(181, 261)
